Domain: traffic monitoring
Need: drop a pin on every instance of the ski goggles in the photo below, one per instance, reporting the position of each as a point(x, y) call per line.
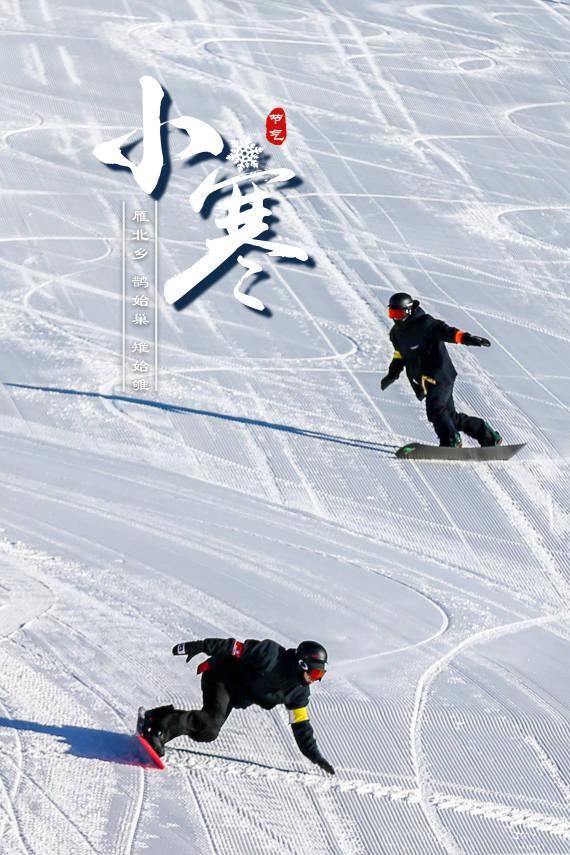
point(316, 674)
point(397, 314)
point(312, 673)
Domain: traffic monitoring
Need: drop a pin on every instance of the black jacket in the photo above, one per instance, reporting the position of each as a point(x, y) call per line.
point(419, 347)
point(266, 674)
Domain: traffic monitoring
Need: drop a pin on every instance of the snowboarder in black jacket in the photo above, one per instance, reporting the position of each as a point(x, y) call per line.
point(419, 347)
point(239, 674)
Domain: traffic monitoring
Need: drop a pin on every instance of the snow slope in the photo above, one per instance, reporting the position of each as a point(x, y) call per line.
point(256, 495)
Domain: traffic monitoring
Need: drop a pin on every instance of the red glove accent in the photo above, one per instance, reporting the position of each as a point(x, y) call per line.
point(459, 336)
point(204, 666)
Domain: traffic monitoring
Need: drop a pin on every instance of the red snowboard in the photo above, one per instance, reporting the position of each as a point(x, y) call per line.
point(146, 745)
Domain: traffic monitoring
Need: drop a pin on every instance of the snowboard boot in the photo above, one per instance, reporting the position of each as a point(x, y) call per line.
point(492, 437)
point(153, 728)
point(455, 442)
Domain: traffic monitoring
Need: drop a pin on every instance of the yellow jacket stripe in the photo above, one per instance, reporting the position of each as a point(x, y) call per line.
point(425, 381)
point(397, 355)
point(295, 716)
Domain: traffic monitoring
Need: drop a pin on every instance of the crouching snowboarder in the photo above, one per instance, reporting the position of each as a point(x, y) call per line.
point(419, 347)
point(237, 675)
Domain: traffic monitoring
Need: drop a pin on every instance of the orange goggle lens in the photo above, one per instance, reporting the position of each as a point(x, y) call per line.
point(316, 673)
point(397, 314)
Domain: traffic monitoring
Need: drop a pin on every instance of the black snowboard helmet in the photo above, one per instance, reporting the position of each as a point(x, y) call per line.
point(401, 306)
point(312, 659)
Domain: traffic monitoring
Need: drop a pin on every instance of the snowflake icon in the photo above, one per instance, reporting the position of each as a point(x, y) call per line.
point(245, 155)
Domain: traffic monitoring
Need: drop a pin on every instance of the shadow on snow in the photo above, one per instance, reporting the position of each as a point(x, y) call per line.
point(382, 447)
point(93, 744)
point(87, 742)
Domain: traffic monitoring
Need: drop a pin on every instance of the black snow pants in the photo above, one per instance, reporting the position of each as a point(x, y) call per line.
point(440, 411)
point(201, 725)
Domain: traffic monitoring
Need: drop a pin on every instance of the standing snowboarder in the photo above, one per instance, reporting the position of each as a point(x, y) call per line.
point(419, 347)
point(237, 675)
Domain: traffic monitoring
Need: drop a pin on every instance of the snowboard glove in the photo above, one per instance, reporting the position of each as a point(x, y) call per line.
point(188, 649)
point(325, 765)
point(474, 340)
point(386, 381)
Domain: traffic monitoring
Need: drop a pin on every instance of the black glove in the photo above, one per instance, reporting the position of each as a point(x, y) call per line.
point(475, 340)
point(188, 649)
point(325, 765)
point(386, 381)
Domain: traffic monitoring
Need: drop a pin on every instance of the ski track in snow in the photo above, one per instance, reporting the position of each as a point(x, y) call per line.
point(257, 497)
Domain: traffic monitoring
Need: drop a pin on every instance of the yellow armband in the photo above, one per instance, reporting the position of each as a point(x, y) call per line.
point(295, 716)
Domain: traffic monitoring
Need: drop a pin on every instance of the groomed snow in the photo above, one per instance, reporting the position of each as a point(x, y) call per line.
point(256, 495)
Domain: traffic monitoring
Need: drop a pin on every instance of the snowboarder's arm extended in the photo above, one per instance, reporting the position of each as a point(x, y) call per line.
point(255, 654)
point(209, 646)
point(305, 738)
point(394, 369)
point(453, 335)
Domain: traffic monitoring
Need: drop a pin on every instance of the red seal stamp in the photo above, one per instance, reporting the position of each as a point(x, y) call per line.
point(276, 126)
